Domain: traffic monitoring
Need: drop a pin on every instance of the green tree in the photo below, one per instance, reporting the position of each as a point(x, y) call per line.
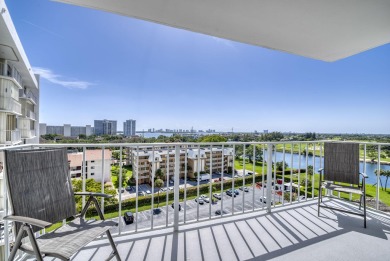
point(310, 171)
point(159, 183)
point(116, 154)
point(159, 174)
point(82, 136)
point(258, 156)
point(212, 138)
point(384, 173)
point(279, 165)
point(92, 186)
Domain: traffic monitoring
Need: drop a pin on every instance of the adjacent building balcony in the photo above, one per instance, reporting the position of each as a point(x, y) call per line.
point(29, 96)
point(27, 134)
point(10, 137)
point(29, 114)
point(245, 226)
point(9, 104)
point(9, 71)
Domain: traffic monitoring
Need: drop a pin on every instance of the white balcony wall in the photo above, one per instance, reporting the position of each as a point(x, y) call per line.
point(9, 96)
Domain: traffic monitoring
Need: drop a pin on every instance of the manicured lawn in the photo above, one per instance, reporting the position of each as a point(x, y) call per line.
point(238, 164)
point(127, 173)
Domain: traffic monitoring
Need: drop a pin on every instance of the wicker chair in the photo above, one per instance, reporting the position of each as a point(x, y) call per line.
point(41, 194)
point(341, 164)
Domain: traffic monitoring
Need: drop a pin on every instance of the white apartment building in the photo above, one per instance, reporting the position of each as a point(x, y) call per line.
point(146, 161)
point(19, 88)
point(67, 130)
point(93, 165)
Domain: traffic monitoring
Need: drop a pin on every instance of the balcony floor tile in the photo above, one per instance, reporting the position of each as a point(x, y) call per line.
point(289, 233)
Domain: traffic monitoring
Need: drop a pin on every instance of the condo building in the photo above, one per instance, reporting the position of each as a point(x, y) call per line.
point(105, 127)
point(129, 128)
point(19, 88)
point(93, 165)
point(147, 161)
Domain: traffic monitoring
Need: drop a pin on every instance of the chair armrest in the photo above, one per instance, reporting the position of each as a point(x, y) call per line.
point(321, 170)
point(93, 194)
point(364, 175)
point(28, 220)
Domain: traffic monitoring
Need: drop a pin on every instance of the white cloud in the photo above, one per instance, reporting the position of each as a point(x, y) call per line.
point(47, 74)
point(225, 42)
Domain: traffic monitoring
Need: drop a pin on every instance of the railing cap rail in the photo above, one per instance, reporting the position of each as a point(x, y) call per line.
point(141, 145)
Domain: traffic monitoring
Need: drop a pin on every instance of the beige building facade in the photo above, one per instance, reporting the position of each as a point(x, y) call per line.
point(147, 161)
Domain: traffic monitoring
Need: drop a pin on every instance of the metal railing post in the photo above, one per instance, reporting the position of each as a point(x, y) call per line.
point(269, 176)
point(176, 188)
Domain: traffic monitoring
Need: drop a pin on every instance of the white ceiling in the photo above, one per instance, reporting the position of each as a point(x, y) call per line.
point(11, 48)
point(326, 30)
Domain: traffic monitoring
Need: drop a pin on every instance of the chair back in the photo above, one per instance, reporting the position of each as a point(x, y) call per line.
point(39, 184)
point(341, 162)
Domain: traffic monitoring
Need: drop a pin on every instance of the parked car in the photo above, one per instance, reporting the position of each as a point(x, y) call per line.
point(237, 192)
point(128, 217)
point(173, 206)
point(148, 192)
point(230, 193)
point(244, 189)
point(122, 190)
point(199, 200)
point(264, 200)
point(218, 212)
point(163, 189)
point(217, 195)
point(141, 193)
point(128, 188)
point(171, 181)
point(205, 198)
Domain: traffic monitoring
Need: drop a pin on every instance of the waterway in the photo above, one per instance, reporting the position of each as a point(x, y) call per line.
point(318, 163)
point(154, 134)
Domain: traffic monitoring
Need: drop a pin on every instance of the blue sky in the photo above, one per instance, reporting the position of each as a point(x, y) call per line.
point(96, 65)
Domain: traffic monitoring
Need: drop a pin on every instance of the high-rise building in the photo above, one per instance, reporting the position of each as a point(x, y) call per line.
point(103, 127)
point(19, 88)
point(129, 128)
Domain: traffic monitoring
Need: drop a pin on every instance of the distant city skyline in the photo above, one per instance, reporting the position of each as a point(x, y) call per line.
point(96, 65)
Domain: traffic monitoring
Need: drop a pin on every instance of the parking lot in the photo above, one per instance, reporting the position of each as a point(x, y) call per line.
point(146, 187)
point(189, 210)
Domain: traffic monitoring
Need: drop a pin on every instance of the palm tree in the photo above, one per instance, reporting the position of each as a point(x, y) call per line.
point(385, 173)
point(158, 183)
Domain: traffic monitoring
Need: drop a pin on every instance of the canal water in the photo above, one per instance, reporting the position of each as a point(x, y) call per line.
point(370, 167)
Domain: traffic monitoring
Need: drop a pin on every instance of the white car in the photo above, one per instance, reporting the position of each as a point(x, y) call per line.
point(264, 200)
point(217, 195)
point(148, 192)
point(199, 200)
point(244, 189)
point(205, 198)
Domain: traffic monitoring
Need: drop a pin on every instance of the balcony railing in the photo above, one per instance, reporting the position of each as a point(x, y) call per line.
point(27, 134)
point(269, 184)
point(28, 95)
point(11, 72)
point(29, 114)
point(10, 137)
point(10, 105)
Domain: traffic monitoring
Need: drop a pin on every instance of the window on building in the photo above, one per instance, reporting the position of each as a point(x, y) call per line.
point(92, 174)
